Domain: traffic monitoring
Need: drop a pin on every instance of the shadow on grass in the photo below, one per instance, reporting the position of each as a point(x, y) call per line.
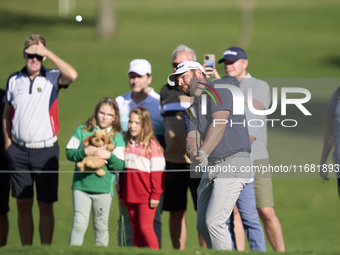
point(15, 21)
point(332, 61)
point(44, 249)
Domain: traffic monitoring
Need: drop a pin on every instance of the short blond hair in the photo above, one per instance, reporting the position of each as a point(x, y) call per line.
point(34, 39)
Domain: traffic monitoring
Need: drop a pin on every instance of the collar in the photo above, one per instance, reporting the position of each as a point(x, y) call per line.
point(147, 100)
point(246, 78)
point(106, 131)
point(42, 71)
point(134, 143)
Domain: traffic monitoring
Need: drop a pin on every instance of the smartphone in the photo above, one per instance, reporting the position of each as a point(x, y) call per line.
point(210, 60)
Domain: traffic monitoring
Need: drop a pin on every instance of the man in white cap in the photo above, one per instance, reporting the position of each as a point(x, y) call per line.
point(140, 95)
point(235, 64)
point(224, 146)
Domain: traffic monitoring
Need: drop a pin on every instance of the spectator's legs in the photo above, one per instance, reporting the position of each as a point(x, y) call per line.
point(240, 237)
point(100, 212)
point(46, 224)
point(157, 224)
point(138, 240)
point(25, 220)
point(123, 212)
point(265, 206)
point(202, 242)
point(178, 229)
point(128, 227)
point(145, 219)
point(4, 226)
point(272, 227)
point(247, 208)
point(203, 197)
point(195, 179)
point(4, 201)
point(81, 213)
point(142, 218)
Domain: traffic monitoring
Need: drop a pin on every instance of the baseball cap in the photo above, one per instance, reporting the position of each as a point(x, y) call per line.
point(140, 66)
point(233, 54)
point(182, 68)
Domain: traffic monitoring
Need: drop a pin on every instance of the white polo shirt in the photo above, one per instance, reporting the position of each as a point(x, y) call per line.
point(34, 104)
point(261, 92)
point(152, 103)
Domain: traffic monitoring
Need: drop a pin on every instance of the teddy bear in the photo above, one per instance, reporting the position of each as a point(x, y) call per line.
point(98, 139)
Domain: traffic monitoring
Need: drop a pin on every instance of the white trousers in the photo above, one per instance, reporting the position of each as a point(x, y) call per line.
point(217, 194)
point(82, 204)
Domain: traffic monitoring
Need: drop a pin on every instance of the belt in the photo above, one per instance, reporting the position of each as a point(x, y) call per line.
point(37, 145)
point(238, 154)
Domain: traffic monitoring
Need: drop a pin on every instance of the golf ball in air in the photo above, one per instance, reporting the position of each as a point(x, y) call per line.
point(79, 18)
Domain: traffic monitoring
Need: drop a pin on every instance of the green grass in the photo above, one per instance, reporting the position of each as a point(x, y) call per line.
point(290, 42)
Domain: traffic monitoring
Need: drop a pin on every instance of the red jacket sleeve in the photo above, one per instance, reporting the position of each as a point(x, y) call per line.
point(157, 171)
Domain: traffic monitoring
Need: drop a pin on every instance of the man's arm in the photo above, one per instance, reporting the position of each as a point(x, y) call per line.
point(68, 73)
point(252, 139)
point(215, 134)
point(213, 137)
point(261, 94)
point(191, 142)
point(6, 122)
point(193, 138)
point(258, 105)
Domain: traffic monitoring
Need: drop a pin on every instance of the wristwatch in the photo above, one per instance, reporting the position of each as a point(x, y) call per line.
point(187, 152)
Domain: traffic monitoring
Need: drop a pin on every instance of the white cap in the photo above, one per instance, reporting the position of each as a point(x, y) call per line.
point(182, 68)
point(140, 66)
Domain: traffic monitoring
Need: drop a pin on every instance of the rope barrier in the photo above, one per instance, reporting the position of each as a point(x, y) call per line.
point(88, 171)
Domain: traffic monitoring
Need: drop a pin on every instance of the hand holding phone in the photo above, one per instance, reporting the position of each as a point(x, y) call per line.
point(209, 65)
point(209, 60)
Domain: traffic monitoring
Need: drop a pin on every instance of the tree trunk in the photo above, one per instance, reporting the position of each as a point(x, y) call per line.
point(106, 25)
point(246, 7)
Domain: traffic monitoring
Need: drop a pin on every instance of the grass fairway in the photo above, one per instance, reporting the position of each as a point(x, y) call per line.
point(292, 43)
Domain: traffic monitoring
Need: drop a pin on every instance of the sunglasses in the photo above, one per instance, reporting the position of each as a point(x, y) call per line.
point(175, 65)
point(38, 57)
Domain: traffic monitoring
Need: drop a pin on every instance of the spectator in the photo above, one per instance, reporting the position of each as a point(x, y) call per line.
point(89, 189)
point(5, 185)
point(141, 95)
point(174, 104)
point(141, 187)
point(31, 143)
point(332, 137)
point(246, 218)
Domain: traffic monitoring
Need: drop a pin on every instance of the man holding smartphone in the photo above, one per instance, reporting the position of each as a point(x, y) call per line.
point(209, 60)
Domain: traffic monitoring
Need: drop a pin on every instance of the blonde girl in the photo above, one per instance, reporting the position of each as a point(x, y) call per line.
point(143, 182)
point(90, 190)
